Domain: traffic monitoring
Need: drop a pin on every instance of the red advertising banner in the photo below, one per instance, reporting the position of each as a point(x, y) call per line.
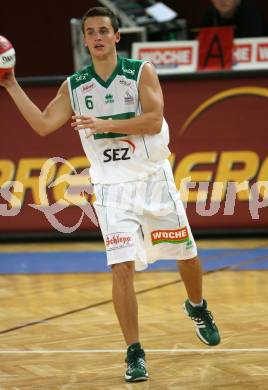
point(219, 157)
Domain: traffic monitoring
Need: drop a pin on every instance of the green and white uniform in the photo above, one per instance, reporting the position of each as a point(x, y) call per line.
point(116, 158)
point(138, 206)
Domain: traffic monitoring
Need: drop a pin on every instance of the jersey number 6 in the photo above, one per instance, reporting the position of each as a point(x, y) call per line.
point(89, 102)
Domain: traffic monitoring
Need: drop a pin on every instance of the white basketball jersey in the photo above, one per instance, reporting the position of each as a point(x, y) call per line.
point(115, 157)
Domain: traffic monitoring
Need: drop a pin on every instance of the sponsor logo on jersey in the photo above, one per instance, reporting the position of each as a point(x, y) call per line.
point(118, 241)
point(109, 98)
point(125, 82)
point(116, 154)
point(171, 236)
point(88, 87)
point(119, 154)
point(129, 99)
point(129, 71)
point(81, 77)
point(131, 143)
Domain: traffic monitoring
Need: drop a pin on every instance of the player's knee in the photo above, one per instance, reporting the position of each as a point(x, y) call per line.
point(193, 259)
point(123, 271)
point(189, 262)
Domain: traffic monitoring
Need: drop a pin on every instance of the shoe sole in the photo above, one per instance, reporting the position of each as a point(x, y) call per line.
point(142, 378)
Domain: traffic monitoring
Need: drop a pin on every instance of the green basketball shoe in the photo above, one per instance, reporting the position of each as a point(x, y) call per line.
point(206, 329)
point(135, 359)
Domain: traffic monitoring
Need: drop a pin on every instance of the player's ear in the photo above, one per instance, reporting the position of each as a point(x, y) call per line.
point(117, 37)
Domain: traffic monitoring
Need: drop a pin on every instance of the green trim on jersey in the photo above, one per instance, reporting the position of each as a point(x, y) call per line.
point(125, 115)
point(108, 135)
point(125, 67)
point(129, 68)
point(81, 77)
point(108, 82)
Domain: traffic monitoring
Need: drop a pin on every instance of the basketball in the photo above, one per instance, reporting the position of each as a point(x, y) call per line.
point(7, 57)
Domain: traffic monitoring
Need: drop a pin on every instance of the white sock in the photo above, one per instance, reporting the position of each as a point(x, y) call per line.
point(196, 304)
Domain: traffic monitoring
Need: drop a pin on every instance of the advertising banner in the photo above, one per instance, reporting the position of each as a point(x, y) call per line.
point(218, 132)
point(168, 57)
point(182, 56)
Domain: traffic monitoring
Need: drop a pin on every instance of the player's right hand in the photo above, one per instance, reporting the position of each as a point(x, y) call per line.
point(8, 80)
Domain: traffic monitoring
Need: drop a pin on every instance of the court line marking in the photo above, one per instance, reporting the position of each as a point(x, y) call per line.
point(175, 350)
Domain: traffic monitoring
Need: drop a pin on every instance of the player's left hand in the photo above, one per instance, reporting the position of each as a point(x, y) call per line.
point(93, 124)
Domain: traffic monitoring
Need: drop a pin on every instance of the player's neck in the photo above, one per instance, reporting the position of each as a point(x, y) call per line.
point(104, 67)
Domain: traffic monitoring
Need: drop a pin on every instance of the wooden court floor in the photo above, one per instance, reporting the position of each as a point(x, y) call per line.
point(59, 331)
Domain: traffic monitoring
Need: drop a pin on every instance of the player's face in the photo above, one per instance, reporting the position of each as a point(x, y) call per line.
point(225, 7)
point(99, 36)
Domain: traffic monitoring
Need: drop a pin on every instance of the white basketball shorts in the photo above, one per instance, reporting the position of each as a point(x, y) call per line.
point(144, 221)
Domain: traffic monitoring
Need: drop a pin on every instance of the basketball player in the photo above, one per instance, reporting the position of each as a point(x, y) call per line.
point(118, 106)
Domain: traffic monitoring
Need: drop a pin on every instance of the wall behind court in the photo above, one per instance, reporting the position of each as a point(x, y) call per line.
point(41, 35)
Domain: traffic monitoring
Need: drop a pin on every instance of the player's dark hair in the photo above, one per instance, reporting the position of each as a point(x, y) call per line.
point(101, 11)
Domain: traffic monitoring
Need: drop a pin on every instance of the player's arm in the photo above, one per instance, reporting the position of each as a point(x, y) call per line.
point(149, 122)
point(44, 122)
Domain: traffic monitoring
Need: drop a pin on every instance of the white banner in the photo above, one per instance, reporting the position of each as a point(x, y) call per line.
point(168, 57)
point(250, 53)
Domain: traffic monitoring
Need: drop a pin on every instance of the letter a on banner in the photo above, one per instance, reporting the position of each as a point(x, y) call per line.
point(215, 48)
